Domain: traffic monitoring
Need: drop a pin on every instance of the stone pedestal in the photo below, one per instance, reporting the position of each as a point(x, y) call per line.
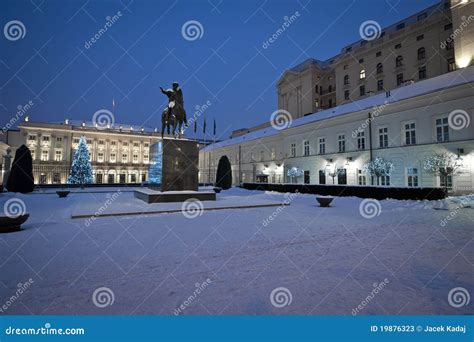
point(174, 165)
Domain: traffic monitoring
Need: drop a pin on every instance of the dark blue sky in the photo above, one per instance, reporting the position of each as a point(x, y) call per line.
point(145, 49)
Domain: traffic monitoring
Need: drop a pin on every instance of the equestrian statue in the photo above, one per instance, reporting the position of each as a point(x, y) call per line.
point(174, 114)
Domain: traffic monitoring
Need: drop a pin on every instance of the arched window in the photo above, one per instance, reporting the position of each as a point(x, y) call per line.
point(421, 53)
point(362, 74)
point(346, 79)
point(379, 68)
point(399, 61)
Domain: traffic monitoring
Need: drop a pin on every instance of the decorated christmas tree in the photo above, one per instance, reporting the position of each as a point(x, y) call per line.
point(379, 167)
point(81, 169)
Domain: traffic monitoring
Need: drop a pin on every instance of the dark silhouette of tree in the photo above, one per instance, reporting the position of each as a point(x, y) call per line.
point(21, 174)
point(224, 173)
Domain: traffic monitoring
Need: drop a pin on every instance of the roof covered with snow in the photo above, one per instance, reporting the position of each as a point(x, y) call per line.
point(448, 80)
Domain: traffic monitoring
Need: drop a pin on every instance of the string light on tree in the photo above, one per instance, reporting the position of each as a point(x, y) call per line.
point(81, 169)
point(379, 167)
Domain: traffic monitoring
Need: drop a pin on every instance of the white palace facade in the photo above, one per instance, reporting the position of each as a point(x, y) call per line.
point(404, 96)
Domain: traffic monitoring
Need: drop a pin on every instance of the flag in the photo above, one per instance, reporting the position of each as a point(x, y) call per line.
point(204, 126)
point(214, 126)
point(195, 126)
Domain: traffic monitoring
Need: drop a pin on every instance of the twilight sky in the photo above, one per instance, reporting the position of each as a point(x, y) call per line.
point(144, 48)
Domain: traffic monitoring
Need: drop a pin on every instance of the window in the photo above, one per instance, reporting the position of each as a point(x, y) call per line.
point(422, 73)
point(446, 182)
point(398, 46)
point(412, 176)
point(361, 61)
point(410, 133)
point(341, 176)
point(421, 53)
point(293, 150)
point(124, 158)
point(442, 129)
point(362, 90)
point(113, 158)
point(262, 156)
point(58, 155)
point(361, 140)
point(59, 139)
point(378, 54)
point(449, 45)
point(306, 147)
point(146, 144)
point(135, 158)
point(346, 79)
point(100, 157)
point(399, 79)
point(32, 138)
point(380, 85)
point(76, 140)
point(421, 16)
point(44, 155)
point(136, 144)
point(101, 142)
point(451, 65)
point(420, 37)
point(42, 178)
point(383, 137)
point(346, 66)
point(448, 26)
point(379, 68)
point(272, 154)
point(342, 143)
point(322, 145)
point(400, 26)
point(56, 178)
point(125, 143)
point(145, 158)
point(362, 178)
point(45, 138)
point(346, 94)
point(398, 61)
point(113, 143)
point(362, 74)
point(385, 180)
point(322, 177)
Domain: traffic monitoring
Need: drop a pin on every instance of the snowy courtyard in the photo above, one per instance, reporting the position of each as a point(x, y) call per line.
point(356, 257)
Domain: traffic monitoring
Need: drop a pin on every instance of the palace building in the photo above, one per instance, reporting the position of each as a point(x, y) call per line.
point(403, 95)
point(119, 154)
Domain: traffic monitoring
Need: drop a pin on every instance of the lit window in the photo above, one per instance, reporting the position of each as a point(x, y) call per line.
point(412, 176)
point(113, 158)
point(135, 158)
point(44, 155)
point(58, 156)
point(362, 74)
point(100, 157)
point(124, 158)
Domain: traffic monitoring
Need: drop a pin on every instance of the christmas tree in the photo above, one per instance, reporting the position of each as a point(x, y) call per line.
point(81, 169)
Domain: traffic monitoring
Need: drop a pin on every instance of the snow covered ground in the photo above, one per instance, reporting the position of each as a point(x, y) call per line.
point(356, 257)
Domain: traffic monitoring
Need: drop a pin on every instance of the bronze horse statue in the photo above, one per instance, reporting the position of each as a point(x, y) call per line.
point(174, 114)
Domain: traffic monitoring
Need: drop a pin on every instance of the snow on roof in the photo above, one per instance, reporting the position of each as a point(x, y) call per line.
point(115, 126)
point(448, 80)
